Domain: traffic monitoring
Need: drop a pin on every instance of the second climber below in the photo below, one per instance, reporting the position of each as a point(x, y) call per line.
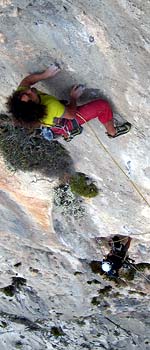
point(117, 256)
point(33, 108)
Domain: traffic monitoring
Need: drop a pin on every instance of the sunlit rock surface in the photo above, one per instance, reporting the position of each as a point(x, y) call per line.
point(62, 303)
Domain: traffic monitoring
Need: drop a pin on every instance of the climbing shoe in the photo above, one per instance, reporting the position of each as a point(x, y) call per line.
point(121, 130)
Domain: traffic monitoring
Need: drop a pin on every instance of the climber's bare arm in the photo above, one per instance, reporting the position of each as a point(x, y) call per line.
point(70, 110)
point(32, 79)
point(76, 92)
point(127, 245)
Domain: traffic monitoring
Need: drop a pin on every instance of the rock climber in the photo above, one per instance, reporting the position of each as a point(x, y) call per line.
point(117, 256)
point(33, 108)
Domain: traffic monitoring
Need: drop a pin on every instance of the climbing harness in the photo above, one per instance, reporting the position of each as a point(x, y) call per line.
point(76, 129)
point(67, 128)
point(47, 133)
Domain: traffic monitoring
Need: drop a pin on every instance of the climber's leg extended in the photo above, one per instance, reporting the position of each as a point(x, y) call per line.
point(101, 109)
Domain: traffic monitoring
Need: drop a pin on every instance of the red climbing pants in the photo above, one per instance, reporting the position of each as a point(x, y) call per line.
point(95, 109)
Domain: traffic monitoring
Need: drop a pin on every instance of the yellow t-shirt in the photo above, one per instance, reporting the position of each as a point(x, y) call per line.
point(54, 108)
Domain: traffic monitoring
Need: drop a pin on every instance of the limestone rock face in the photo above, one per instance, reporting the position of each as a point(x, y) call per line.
point(50, 296)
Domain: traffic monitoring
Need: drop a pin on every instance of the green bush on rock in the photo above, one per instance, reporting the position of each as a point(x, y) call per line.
point(24, 151)
point(83, 185)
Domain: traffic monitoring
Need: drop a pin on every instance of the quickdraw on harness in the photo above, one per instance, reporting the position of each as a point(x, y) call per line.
point(67, 128)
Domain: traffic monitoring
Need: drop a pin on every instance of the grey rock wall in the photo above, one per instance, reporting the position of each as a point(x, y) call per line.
point(62, 303)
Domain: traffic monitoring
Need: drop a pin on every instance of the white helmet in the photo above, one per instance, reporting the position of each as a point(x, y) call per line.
point(106, 266)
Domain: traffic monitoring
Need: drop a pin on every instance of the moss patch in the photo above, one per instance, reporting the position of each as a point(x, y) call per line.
point(57, 331)
point(26, 152)
point(17, 282)
point(18, 344)
point(129, 274)
point(95, 266)
point(83, 185)
point(136, 292)
point(80, 322)
point(99, 301)
point(3, 324)
point(77, 273)
point(143, 266)
point(9, 291)
point(95, 301)
point(105, 291)
point(94, 281)
point(68, 203)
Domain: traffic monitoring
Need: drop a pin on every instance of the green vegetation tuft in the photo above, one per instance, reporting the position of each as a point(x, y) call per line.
point(69, 204)
point(17, 282)
point(95, 266)
point(142, 266)
point(18, 345)
point(9, 291)
point(105, 291)
point(129, 274)
point(95, 301)
point(3, 324)
point(80, 322)
point(83, 185)
point(24, 151)
point(57, 331)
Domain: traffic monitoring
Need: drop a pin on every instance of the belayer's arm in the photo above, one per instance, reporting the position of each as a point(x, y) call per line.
point(127, 245)
point(32, 79)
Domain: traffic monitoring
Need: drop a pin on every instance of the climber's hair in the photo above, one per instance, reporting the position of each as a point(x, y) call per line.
point(26, 112)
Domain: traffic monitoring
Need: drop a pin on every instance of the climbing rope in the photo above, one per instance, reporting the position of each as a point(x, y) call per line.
point(123, 239)
point(114, 160)
point(119, 240)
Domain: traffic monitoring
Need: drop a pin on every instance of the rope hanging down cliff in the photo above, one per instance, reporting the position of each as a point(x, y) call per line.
point(115, 161)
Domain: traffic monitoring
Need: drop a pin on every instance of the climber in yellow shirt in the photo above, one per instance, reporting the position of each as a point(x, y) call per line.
point(33, 108)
